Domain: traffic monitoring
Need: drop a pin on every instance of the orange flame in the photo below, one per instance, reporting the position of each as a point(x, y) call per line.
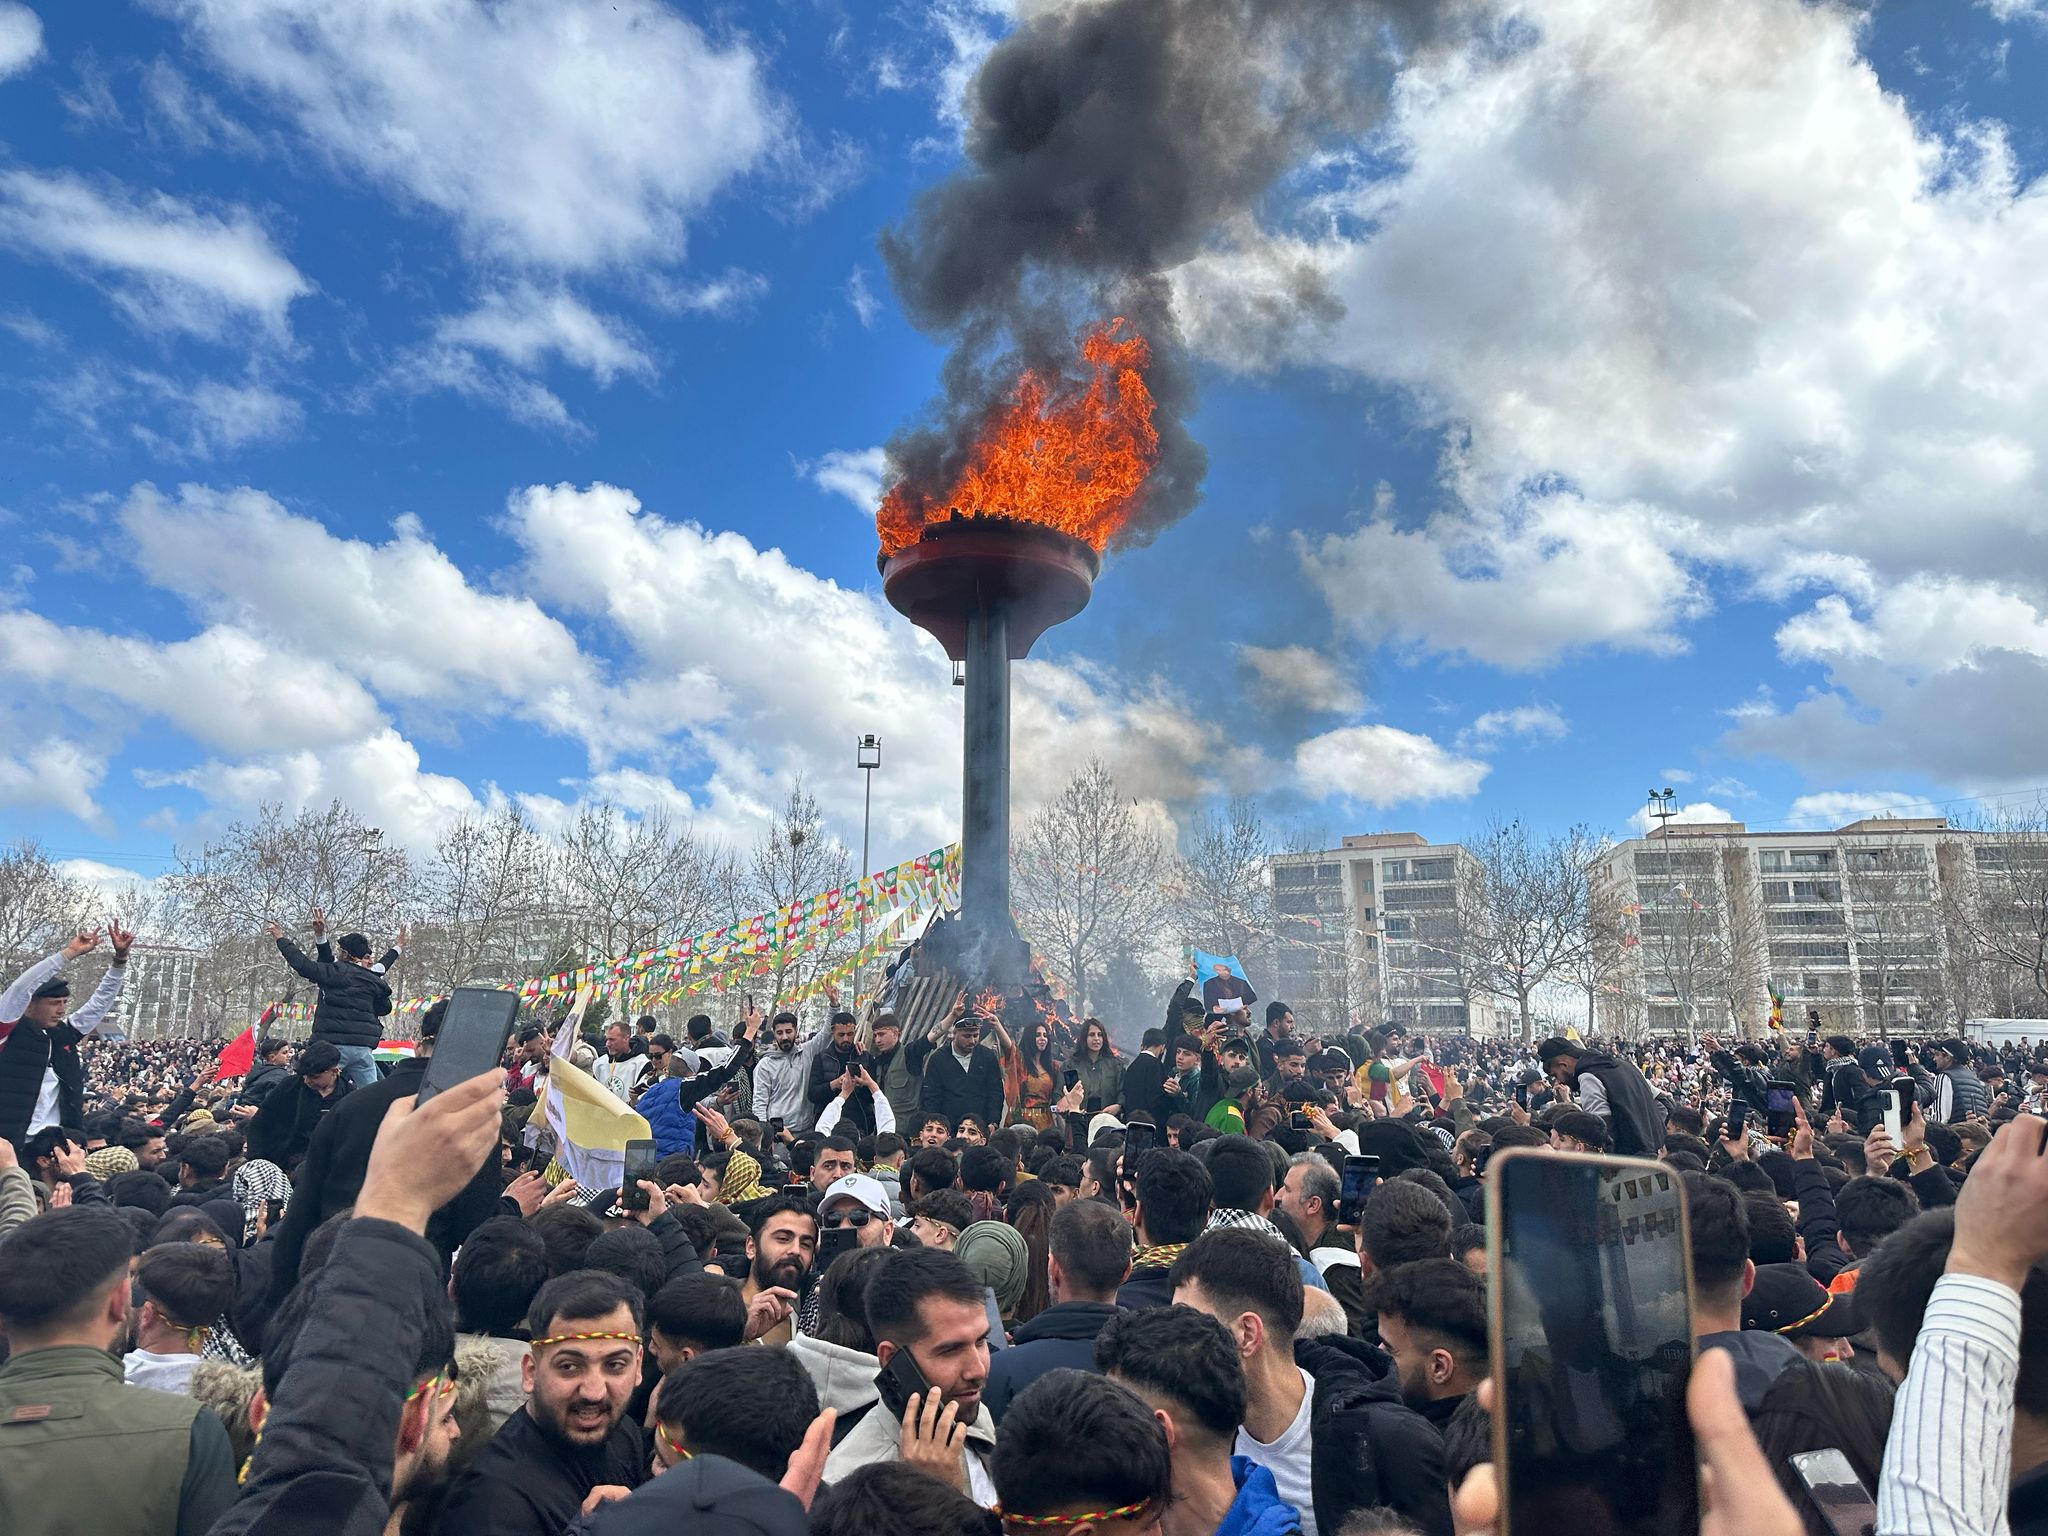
point(989, 1004)
point(1075, 464)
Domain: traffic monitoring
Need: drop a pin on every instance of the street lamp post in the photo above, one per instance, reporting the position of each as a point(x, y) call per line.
point(867, 756)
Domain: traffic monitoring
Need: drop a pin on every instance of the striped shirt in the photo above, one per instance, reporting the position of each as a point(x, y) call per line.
point(1948, 1462)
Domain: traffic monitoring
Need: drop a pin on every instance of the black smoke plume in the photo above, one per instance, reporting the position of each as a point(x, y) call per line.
point(1109, 142)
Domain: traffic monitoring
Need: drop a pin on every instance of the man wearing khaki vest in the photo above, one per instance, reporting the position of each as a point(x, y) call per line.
point(79, 1449)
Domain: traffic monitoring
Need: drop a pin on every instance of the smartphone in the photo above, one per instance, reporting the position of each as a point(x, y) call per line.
point(1590, 1326)
point(1298, 1120)
point(1070, 1077)
point(1779, 1115)
point(832, 1242)
point(1359, 1177)
point(640, 1161)
point(472, 1038)
point(1837, 1492)
point(1738, 1118)
point(898, 1382)
point(1522, 1094)
point(1897, 1094)
point(1140, 1136)
point(775, 1127)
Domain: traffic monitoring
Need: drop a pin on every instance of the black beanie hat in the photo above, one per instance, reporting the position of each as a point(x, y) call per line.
point(55, 988)
point(354, 944)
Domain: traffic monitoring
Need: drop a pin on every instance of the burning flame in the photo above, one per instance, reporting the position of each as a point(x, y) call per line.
point(989, 1004)
point(1075, 464)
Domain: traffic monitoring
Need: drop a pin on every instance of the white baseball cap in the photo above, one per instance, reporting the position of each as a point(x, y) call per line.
point(868, 1191)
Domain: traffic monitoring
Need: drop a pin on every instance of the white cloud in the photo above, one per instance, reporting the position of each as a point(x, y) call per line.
point(378, 776)
point(21, 38)
point(855, 473)
point(1697, 813)
point(400, 613)
point(1380, 766)
point(1525, 722)
point(168, 264)
point(561, 134)
point(1509, 587)
point(865, 305)
point(1301, 675)
point(211, 417)
point(223, 687)
point(1837, 808)
point(53, 775)
point(1693, 273)
point(111, 885)
point(1676, 775)
point(727, 296)
point(2017, 10)
point(526, 326)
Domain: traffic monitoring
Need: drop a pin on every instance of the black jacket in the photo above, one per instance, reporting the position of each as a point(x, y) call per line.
point(352, 997)
point(323, 1466)
point(25, 1052)
point(1368, 1447)
point(1147, 1287)
point(704, 1496)
point(262, 1078)
point(858, 1118)
point(1635, 1120)
point(977, 1091)
point(339, 1156)
point(1145, 1088)
point(526, 1483)
point(1060, 1337)
point(283, 1128)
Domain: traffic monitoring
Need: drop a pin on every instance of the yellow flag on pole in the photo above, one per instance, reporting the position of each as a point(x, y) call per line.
point(591, 1125)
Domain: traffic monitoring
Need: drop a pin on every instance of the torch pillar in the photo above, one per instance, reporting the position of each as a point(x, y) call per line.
point(985, 773)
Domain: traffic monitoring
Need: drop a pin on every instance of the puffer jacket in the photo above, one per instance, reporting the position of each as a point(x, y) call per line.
point(1368, 1447)
point(352, 997)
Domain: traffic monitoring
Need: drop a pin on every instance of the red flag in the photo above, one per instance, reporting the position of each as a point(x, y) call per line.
point(237, 1056)
point(1434, 1076)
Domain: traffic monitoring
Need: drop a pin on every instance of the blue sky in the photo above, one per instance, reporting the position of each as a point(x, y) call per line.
point(428, 404)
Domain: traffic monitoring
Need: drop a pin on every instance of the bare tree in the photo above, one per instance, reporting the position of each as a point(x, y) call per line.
point(1089, 878)
point(1686, 949)
point(1529, 905)
point(40, 907)
point(629, 883)
point(486, 903)
point(1894, 922)
point(796, 856)
point(2006, 911)
point(220, 895)
point(1221, 888)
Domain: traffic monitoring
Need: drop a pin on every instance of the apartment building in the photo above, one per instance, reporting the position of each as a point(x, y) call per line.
point(158, 997)
point(1854, 925)
point(1373, 930)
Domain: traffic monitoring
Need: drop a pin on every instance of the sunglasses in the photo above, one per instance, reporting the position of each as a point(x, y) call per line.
point(856, 1218)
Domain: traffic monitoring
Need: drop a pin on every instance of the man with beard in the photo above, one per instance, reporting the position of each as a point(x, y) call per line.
point(1432, 1320)
point(540, 1469)
point(779, 1257)
point(782, 1076)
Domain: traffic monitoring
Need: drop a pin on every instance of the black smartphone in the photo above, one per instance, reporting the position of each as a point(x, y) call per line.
point(640, 1161)
point(1140, 1136)
point(898, 1382)
point(832, 1242)
point(1522, 1094)
point(1837, 1492)
point(472, 1038)
point(1070, 1077)
point(1298, 1120)
point(1590, 1324)
point(1738, 1119)
point(1780, 1116)
point(1359, 1177)
point(774, 1127)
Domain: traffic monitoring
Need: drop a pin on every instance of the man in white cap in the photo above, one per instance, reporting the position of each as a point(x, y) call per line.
point(860, 1202)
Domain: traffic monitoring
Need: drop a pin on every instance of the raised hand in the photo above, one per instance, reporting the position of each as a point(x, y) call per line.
point(319, 921)
point(933, 1440)
point(712, 1121)
point(768, 1311)
point(272, 928)
point(83, 942)
point(527, 1192)
point(122, 939)
point(750, 1021)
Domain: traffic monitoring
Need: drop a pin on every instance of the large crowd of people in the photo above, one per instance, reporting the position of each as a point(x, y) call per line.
point(1069, 1276)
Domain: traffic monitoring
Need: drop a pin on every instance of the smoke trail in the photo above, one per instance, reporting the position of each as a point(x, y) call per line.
point(1110, 140)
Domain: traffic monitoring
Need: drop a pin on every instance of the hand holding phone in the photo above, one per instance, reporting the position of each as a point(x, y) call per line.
point(640, 1160)
point(1361, 1175)
point(899, 1381)
point(474, 1030)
